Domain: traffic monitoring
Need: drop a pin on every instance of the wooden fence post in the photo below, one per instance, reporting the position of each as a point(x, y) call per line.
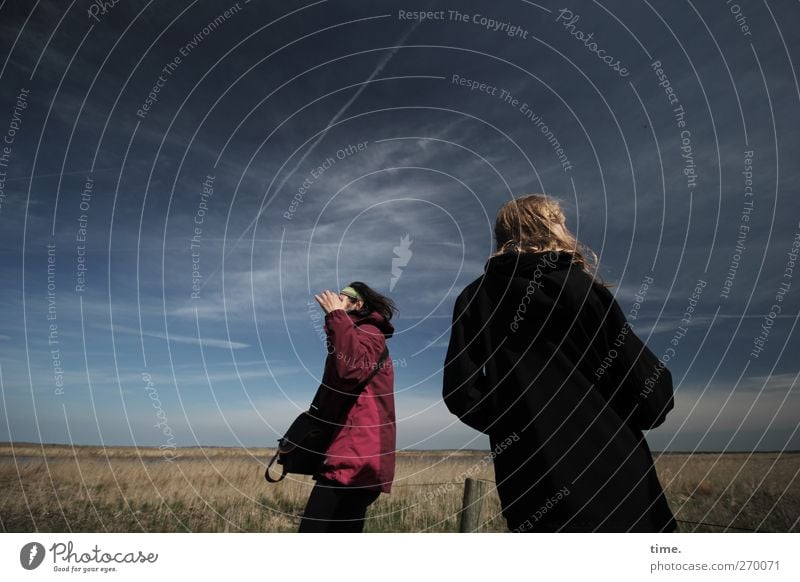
point(471, 506)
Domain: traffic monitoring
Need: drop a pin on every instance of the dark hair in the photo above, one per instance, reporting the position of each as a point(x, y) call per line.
point(374, 301)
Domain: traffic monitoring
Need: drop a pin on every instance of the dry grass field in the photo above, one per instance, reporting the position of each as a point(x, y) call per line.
point(58, 488)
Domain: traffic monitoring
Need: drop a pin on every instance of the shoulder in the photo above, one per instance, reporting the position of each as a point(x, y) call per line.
point(470, 290)
point(372, 333)
point(468, 295)
point(369, 328)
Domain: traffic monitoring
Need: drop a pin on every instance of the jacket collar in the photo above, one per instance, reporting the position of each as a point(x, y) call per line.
point(526, 264)
point(375, 319)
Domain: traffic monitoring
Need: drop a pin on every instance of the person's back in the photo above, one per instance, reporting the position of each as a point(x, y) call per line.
point(528, 364)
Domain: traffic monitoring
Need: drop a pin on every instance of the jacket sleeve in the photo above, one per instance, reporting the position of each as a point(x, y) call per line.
point(355, 350)
point(465, 389)
point(642, 384)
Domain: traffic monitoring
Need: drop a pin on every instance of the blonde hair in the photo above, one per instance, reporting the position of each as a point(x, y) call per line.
point(536, 223)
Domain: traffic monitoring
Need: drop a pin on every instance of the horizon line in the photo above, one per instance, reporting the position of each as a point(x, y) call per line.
point(157, 448)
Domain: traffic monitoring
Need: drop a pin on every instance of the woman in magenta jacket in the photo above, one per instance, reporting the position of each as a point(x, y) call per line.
point(359, 463)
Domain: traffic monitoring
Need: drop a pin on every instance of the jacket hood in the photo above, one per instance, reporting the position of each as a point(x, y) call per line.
point(375, 319)
point(527, 264)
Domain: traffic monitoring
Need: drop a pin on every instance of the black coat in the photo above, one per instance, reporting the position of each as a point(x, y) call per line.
point(542, 359)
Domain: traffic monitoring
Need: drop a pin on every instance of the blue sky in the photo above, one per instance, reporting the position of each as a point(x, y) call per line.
point(272, 98)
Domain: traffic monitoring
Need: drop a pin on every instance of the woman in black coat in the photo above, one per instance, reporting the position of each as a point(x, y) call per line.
point(542, 359)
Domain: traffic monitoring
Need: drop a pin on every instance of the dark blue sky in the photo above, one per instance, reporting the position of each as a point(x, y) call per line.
point(180, 178)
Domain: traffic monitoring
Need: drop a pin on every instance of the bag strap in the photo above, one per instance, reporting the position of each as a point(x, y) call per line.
point(269, 477)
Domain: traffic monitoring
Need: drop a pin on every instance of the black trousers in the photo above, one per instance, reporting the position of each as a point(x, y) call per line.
point(333, 507)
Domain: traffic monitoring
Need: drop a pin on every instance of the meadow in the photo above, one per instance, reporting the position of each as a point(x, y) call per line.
point(60, 488)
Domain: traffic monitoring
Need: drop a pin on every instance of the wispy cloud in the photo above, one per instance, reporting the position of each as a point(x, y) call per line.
point(199, 341)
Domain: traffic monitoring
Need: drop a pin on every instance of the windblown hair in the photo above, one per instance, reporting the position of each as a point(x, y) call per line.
point(536, 223)
point(374, 301)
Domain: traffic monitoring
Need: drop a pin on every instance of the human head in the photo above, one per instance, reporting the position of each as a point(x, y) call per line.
point(536, 223)
point(364, 300)
point(355, 301)
point(532, 223)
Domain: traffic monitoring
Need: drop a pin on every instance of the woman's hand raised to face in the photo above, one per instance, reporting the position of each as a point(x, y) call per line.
point(329, 301)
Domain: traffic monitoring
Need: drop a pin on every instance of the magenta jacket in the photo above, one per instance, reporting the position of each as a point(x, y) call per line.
point(362, 451)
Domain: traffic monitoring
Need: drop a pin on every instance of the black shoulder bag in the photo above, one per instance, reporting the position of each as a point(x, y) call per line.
point(302, 449)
